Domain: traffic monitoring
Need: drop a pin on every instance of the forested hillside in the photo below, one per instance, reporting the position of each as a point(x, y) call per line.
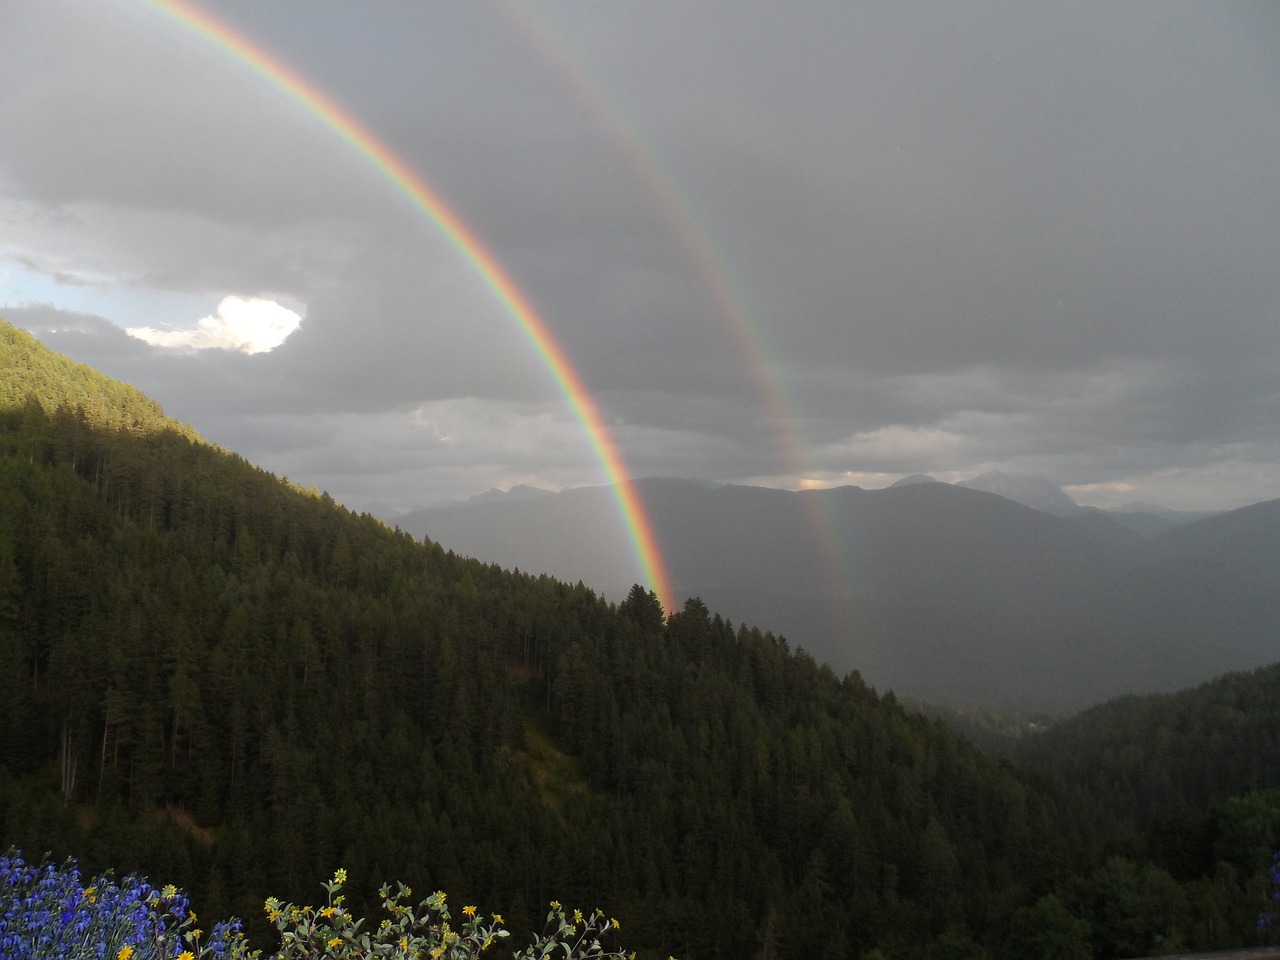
point(1198, 772)
point(235, 685)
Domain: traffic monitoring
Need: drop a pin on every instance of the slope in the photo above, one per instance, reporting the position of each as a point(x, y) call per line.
point(235, 685)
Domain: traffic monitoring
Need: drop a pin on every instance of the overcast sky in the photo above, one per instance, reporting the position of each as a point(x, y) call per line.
point(795, 244)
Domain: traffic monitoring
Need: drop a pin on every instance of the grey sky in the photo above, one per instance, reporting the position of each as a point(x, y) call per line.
point(1037, 237)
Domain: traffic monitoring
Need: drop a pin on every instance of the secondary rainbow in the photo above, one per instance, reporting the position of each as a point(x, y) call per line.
point(710, 266)
point(412, 185)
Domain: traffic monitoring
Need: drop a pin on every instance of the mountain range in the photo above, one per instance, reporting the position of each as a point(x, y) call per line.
point(948, 593)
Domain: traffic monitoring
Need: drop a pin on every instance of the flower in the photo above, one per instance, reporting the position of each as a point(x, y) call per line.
point(339, 876)
point(335, 942)
point(468, 911)
point(497, 918)
point(124, 953)
point(186, 955)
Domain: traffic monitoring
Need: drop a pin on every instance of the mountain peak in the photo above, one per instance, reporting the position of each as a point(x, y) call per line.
point(1038, 493)
point(521, 491)
point(912, 479)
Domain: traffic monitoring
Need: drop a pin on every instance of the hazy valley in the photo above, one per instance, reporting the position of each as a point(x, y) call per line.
point(936, 591)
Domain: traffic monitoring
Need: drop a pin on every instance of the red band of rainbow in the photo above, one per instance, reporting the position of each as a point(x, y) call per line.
point(568, 381)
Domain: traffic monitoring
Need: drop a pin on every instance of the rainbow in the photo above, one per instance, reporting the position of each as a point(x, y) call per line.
point(514, 302)
point(709, 264)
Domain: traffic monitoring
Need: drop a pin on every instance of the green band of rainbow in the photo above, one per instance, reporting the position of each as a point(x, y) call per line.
point(639, 528)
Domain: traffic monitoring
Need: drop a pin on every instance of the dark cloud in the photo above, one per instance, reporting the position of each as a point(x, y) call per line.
point(958, 238)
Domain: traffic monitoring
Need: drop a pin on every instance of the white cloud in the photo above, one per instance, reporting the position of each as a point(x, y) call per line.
point(250, 325)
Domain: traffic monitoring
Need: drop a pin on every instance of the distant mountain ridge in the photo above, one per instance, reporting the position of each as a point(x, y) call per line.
point(520, 491)
point(944, 592)
point(1036, 492)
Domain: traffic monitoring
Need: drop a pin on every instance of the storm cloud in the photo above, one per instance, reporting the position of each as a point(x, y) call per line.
point(802, 246)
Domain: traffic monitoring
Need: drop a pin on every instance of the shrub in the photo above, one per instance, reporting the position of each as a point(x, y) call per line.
point(47, 912)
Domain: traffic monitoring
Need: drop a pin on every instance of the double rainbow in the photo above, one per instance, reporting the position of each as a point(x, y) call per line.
point(514, 302)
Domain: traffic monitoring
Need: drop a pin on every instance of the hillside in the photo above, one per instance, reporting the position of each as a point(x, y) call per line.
point(218, 679)
point(235, 685)
point(1193, 749)
point(938, 592)
point(36, 379)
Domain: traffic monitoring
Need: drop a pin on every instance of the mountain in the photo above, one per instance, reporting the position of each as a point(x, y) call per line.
point(215, 678)
point(1035, 492)
point(521, 491)
point(914, 478)
point(1187, 750)
point(934, 590)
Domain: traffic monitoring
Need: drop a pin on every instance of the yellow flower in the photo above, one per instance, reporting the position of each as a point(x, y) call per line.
point(468, 911)
point(169, 891)
point(614, 923)
point(339, 876)
point(186, 955)
point(327, 912)
point(125, 953)
point(577, 916)
point(497, 918)
point(555, 904)
point(335, 942)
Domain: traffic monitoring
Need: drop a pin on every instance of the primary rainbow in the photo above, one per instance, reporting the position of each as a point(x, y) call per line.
point(708, 263)
point(567, 379)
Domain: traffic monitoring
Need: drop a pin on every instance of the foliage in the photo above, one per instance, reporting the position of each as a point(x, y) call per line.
point(1269, 920)
point(199, 659)
point(210, 675)
point(426, 931)
point(1139, 756)
point(37, 379)
point(49, 913)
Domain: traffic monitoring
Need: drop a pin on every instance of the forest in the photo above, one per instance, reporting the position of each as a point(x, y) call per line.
point(230, 683)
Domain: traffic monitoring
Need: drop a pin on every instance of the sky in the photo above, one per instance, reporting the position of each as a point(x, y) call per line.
point(795, 245)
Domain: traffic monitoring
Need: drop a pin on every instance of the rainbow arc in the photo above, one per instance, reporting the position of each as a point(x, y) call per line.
point(513, 301)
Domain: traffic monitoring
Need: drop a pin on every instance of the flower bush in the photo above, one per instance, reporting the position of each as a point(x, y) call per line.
point(47, 912)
